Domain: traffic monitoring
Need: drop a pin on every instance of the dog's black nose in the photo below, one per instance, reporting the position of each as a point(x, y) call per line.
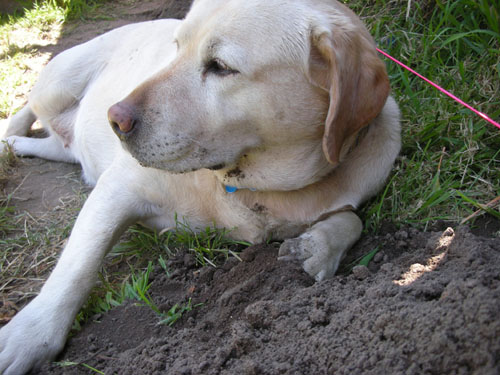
point(122, 118)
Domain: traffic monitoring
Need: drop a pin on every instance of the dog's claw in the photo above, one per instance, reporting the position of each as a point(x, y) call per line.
point(320, 260)
point(293, 249)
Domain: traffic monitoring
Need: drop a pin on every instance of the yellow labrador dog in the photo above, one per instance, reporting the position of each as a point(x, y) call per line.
point(270, 117)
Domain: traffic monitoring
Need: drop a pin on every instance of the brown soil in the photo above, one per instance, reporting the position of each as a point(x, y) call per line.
point(429, 303)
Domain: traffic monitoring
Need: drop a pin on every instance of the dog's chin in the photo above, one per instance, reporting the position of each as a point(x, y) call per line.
point(217, 167)
point(179, 166)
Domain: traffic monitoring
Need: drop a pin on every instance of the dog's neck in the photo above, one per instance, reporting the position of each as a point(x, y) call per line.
point(312, 198)
point(281, 167)
point(301, 205)
point(288, 168)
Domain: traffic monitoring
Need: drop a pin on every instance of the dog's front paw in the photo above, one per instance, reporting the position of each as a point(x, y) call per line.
point(16, 144)
point(320, 259)
point(32, 337)
point(298, 248)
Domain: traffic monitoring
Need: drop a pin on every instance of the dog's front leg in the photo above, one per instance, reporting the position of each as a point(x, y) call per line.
point(38, 332)
point(324, 245)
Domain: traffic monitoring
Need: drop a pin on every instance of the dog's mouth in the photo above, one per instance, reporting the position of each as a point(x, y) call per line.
point(168, 168)
point(180, 153)
point(173, 154)
point(184, 160)
point(217, 167)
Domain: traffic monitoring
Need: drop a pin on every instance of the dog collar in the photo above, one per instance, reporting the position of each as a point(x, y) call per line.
point(231, 189)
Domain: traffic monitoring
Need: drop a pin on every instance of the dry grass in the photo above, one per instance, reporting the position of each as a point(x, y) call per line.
point(31, 242)
point(29, 245)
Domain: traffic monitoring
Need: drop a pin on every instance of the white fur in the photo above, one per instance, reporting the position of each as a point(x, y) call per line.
point(264, 124)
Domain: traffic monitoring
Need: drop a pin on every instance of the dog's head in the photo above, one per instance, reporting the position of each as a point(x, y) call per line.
point(267, 93)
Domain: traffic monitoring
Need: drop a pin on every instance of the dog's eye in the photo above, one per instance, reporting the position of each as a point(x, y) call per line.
point(219, 68)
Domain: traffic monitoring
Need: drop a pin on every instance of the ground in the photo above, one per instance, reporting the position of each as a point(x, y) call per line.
point(428, 302)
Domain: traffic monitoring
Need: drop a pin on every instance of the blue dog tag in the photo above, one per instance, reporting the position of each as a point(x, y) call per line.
point(230, 189)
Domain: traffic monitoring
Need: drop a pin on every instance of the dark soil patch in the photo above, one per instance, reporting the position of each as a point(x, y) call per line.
point(428, 307)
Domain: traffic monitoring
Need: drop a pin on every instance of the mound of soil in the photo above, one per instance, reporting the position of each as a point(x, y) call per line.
point(427, 304)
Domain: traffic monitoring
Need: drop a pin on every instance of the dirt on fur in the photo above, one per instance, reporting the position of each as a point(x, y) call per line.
point(428, 302)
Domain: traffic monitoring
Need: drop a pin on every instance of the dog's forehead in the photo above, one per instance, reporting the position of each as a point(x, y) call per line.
point(246, 27)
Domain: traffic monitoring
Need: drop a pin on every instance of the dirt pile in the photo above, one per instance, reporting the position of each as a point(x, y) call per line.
point(431, 309)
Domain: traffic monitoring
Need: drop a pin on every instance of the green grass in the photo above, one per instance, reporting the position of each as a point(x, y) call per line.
point(47, 11)
point(176, 311)
point(448, 152)
point(17, 36)
point(210, 247)
point(363, 260)
point(135, 287)
point(22, 35)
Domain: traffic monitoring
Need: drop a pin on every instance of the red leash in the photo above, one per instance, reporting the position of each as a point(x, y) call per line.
point(481, 114)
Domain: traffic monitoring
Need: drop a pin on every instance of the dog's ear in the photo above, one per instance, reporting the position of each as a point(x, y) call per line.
point(344, 62)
